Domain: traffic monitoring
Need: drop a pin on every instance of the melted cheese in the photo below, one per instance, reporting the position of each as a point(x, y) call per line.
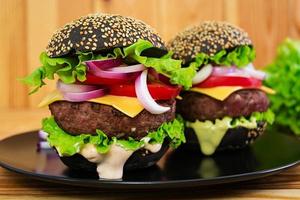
point(128, 105)
point(222, 92)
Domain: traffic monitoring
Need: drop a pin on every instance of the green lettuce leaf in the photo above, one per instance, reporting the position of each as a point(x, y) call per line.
point(283, 77)
point(173, 130)
point(68, 145)
point(251, 121)
point(240, 56)
point(69, 69)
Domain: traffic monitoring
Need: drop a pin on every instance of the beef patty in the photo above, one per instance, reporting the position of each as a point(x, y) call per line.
point(85, 117)
point(195, 106)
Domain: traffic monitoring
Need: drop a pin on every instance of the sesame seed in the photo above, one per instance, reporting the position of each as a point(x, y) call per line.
point(114, 30)
point(209, 37)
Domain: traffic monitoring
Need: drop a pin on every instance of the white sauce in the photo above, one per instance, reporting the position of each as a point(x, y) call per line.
point(89, 151)
point(113, 163)
point(153, 148)
point(110, 165)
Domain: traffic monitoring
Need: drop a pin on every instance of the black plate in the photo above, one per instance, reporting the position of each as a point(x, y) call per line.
point(272, 153)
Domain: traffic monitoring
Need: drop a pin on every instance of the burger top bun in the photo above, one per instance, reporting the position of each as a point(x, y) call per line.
point(209, 37)
point(98, 32)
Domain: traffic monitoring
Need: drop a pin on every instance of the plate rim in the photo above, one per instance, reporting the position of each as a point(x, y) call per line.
point(142, 184)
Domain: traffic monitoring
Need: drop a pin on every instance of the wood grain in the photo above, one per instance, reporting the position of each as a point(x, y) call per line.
point(294, 19)
point(141, 9)
point(14, 121)
point(266, 25)
point(282, 186)
point(176, 15)
point(28, 25)
point(41, 23)
point(69, 10)
point(12, 59)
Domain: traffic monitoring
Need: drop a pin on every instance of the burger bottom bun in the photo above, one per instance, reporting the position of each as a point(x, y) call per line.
point(141, 158)
point(235, 138)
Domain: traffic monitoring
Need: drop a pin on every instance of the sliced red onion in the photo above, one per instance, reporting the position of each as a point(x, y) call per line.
point(203, 74)
point(129, 69)
point(144, 96)
point(42, 135)
point(63, 87)
point(238, 74)
point(83, 96)
point(229, 71)
point(222, 71)
point(249, 69)
point(106, 64)
point(43, 145)
point(96, 70)
point(249, 66)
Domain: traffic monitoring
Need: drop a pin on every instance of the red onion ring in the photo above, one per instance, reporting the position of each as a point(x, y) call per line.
point(254, 72)
point(42, 135)
point(203, 74)
point(248, 71)
point(97, 70)
point(112, 68)
point(43, 145)
point(129, 69)
point(144, 96)
point(106, 64)
point(63, 87)
point(223, 70)
point(83, 96)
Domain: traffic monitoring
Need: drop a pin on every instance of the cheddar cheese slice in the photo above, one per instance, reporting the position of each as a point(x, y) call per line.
point(222, 92)
point(128, 105)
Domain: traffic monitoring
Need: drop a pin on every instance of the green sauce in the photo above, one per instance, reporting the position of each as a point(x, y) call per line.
point(210, 134)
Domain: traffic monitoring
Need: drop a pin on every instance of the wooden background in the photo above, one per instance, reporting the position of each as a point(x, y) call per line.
point(26, 26)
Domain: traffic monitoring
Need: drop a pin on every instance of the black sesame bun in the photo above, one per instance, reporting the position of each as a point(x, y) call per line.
point(101, 32)
point(138, 160)
point(209, 37)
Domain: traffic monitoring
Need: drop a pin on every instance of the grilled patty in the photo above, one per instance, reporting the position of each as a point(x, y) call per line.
point(85, 117)
point(195, 106)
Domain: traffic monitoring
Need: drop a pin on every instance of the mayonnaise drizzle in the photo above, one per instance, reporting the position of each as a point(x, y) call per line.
point(153, 148)
point(110, 165)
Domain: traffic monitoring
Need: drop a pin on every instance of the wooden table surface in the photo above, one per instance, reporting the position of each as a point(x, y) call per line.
point(285, 185)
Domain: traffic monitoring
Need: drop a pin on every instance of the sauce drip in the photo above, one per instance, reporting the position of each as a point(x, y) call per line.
point(110, 165)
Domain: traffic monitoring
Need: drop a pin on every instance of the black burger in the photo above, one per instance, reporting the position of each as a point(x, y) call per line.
point(227, 107)
point(114, 105)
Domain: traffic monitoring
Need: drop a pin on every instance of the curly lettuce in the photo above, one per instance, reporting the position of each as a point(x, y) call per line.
point(240, 56)
point(68, 145)
point(255, 117)
point(72, 68)
point(283, 77)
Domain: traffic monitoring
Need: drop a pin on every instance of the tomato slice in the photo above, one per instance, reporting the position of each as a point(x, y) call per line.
point(214, 81)
point(95, 80)
point(158, 91)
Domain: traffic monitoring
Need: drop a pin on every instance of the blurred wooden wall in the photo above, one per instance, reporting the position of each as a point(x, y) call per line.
point(26, 26)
